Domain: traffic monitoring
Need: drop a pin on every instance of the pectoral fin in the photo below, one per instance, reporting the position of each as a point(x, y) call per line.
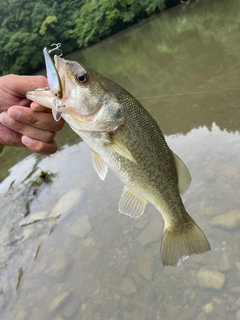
point(184, 177)
point(131, 204)
point(118, 147)
point(99, 165)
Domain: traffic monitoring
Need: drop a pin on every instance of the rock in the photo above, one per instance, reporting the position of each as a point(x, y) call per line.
point(229, 220)
point(124, 303)
point(210, 279)
point(217, 300)
point(42, 292)
point(187, 291)
point(171, 310)
point(58, 267)
point(83, 307)
point(66, 203)
point(151, 233)
point(224, 263)
point(128, 286)
point(189, 313)
point(238, 314)
point(21, 315)
point(192, 296)
point(71, 308)
point(236, 289)
point(140, 223)
point(154, 252)
point(202, 316)
point(80, 228)
point(230, 299)
point(229, 170)
point(208, 308)
point(94, 253)
point(34, 217)
point(124, 266)
point(172, 271)
point(99, 299)
point(37, 313)
point(59, 300)
point(237, 264)
point(145, 262)
point(235, 305)
point(89, 242)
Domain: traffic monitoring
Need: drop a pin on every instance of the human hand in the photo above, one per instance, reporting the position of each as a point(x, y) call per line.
point(22, 122)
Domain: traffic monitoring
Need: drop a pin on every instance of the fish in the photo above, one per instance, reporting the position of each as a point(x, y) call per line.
point(124, 137)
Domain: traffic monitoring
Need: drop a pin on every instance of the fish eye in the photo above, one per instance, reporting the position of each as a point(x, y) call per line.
point(83, 77)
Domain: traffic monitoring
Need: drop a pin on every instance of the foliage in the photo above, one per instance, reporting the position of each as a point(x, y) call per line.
point(28, 26)
point(48, 22)
point(98, 19)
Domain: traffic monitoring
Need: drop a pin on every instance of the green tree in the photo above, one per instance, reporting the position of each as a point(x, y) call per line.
point(28, 26)
point(98, 19)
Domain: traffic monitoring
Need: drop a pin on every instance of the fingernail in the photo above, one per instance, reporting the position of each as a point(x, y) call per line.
point(5, 119)
point(15, 113)
point(26, 140)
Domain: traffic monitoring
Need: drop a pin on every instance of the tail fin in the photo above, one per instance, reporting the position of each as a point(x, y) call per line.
point(178, 245)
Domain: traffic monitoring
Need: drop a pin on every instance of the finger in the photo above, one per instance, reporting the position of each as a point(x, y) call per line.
point(9, 137)
point(39, 146)
point(25, 129)
point(38, 107)
point(40, 120)
point(25, 102)
point(28, 83)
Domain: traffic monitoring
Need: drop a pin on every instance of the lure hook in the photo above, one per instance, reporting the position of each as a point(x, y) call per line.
point(57, 46)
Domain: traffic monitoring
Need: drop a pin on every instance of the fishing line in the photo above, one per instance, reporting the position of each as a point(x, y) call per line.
point(187, 93)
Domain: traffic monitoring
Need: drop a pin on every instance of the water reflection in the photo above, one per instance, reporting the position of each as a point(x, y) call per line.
point(114, 264)
point(94, 263)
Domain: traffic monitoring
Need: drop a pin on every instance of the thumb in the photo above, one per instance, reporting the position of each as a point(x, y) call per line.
point(22, 84)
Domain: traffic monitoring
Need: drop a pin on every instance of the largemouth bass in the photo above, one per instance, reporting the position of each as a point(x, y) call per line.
point(124, 137)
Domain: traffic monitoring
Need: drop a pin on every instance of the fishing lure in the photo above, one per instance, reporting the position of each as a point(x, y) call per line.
point(54, 80)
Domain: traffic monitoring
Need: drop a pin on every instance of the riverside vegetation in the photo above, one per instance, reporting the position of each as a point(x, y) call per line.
point(28, 26)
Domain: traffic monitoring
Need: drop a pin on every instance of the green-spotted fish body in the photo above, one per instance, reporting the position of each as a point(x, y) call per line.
point(124, 137)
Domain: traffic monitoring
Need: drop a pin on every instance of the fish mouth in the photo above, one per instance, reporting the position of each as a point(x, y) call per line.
point(66, 71)
point(66, 76)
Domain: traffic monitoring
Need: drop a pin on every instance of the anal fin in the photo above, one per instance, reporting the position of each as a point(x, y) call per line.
point(131, 204)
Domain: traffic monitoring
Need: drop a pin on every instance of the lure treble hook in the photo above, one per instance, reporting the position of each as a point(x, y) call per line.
point(57, 46)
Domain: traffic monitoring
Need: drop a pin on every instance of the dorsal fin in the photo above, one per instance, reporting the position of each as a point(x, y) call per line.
point(184, 177)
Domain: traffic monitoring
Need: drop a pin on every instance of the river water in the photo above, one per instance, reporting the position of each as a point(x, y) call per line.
point(92, 263)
